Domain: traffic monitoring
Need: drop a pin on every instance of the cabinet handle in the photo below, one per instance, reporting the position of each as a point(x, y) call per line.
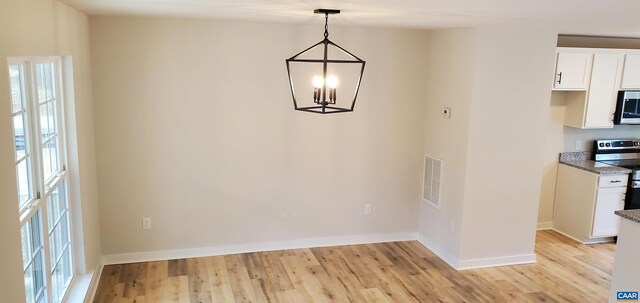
point(559, 77)
point(616, 181)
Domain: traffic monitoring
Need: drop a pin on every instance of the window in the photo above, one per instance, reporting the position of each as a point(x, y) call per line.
point(38, 130)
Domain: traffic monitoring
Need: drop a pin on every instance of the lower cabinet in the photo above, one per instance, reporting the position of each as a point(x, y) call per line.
point(585, 203)
point(608, 200)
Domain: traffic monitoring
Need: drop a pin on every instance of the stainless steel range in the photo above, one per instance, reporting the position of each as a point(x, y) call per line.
point(623, 153)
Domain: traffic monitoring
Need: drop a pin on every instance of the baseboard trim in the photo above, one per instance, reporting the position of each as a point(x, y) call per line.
point(588, 241)
point(568, 236)
point(474, 263)
point(439, 251)
point(498, 261)
point(545, 225)
point(254, 247)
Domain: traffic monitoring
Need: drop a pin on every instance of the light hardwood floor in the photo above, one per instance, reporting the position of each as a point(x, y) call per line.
point(389, 272)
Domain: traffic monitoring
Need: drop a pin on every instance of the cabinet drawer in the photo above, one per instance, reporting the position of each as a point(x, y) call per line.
point(613, 181)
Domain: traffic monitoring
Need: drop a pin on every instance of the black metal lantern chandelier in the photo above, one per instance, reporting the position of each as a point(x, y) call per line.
point(320, 69)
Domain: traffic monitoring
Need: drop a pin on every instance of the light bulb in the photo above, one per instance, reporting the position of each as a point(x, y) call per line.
point(332, 81)
point(318, 82)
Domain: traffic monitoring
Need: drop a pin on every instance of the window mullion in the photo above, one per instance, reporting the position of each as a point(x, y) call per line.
point(60, 121)
point(39, 176)
point(55, 181)
point(23, 158)
point(58, 222)
point(34, 125)
point(67, 246)
point(28, 209)
point(18, 113)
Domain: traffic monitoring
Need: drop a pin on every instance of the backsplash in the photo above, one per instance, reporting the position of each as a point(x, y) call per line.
point(586, 136)
point(575, 156)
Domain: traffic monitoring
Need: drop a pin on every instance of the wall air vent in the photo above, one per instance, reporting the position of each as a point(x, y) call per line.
point(432, 180)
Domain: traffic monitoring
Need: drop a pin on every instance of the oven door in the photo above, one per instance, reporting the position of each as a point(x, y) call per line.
point(632, 199)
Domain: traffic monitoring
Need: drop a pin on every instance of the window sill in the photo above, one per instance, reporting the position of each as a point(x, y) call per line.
point(79, 289)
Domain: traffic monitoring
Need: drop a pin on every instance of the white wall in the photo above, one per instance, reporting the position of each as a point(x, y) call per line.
point(449, 83)
point(195, 129)
point(44, 28)
point(554, 145)
point(507, 137)
point(495, 81)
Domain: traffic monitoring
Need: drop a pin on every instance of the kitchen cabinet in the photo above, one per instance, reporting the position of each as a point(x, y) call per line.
point(601, 97)
point(572, 70)
point(595, 107)
point(585, 202)
point(608, 200)
point(631, 74)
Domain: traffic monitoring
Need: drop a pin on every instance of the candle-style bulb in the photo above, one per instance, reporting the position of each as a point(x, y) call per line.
point(318, 82)
point(332, 82)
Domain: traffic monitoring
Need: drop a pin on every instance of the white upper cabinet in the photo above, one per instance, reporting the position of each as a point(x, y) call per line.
point(572, 70)
point(631, 75)
point(601, 96)
point(594, 107)
point(589, 79)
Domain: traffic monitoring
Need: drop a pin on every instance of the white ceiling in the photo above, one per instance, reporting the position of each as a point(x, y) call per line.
point(585, 17)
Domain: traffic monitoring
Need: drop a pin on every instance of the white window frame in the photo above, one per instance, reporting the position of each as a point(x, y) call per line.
point(42, 189)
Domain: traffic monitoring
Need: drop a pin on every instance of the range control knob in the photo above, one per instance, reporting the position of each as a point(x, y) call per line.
point(636, 143)
point(607, 144)
point(601, 144)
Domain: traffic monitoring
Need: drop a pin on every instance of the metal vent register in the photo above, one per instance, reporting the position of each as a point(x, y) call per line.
point(432, 180)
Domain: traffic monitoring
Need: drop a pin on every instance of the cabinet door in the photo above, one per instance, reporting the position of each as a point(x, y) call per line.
point(605, 222)
point(631, 72)
point(601, 97)
point(572, 71)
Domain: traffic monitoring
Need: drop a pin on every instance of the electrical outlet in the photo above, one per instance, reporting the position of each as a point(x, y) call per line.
point(452, 226)
point(367, 209)
point(578, 145)
point(446, 112)
point(146, 223)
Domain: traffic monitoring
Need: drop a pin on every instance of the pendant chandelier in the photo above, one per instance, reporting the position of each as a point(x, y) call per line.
point(318, 72)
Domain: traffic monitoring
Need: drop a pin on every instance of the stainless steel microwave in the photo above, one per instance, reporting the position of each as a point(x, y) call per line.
point(627, 108)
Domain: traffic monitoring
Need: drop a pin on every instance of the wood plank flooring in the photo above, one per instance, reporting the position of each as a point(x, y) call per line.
point(388, 272)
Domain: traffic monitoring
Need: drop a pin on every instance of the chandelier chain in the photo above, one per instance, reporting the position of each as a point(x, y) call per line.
point(326, 26)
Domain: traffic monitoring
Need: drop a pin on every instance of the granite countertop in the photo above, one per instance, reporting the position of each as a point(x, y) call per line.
point(631, 214)
point(582, 161)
